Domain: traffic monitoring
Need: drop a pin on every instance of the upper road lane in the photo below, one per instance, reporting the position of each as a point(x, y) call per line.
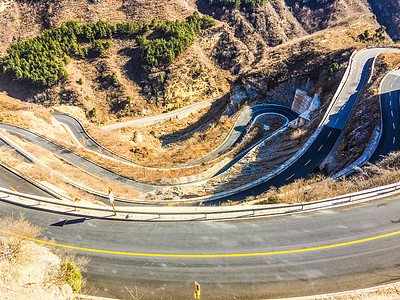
point(235, 136)
point(354, 260)
point(331, 127)
point(390, 97)
point(154, 119)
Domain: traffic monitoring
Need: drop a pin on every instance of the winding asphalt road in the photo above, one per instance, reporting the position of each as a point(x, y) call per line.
point(301, 254)
point(233, 258)
point(331, 127)
point(390, 98)
point(234, 137)
point(150, 120)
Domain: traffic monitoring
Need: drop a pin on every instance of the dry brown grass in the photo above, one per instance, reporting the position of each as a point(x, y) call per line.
point(57, 169)
point(181, 146)
point(319, 187)
point(28, 269)
point(11, 245)
point(158, 176)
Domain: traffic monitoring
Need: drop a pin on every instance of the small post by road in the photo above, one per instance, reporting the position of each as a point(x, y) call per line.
point(196, 291)
point(111, 197)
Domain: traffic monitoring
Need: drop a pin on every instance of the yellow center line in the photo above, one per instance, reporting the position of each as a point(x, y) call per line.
point(15, 132)
point(13, 189)
point(329, 133)
point(52, 148)
point(208, 255)
point(67, 120)
point(396, 78)
point(320, 148)
point(100, 172)
point(37, 141)
point(67, 155)
point(392, 113)
point(140, 189)
point(83, 164)
point(289, 177)
point(307, 162)
point(394, 127)
point(394, 139)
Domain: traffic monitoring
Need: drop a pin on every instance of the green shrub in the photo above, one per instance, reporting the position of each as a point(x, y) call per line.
point(100, 47)
point(73, 276)
point(114, 79)
point(80, 81)
point(237, 3)
point(66, 59)
point(93, 112)
point(366, 34)
point(334, 67)
point(154, 23)
point(153, 133)
point(1, 118)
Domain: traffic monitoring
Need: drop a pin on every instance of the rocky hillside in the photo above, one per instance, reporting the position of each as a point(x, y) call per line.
point(275, 40)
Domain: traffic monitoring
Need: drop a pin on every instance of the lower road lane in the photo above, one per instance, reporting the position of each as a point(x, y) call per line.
point(300, 264)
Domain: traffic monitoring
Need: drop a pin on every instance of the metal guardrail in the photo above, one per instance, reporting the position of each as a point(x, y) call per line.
point(223, 211)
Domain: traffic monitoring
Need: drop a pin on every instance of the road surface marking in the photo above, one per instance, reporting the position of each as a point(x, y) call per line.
point(209, 255)
point(83, 164)
point(289, 177)
point(37, 141)
point(394, 127)
point(307, 162)
point(13, 189)
point(392, 113)
point(100, 172)
point(67, 121)
point(52, 148)
point(136, 188)
point(396, 78)
point(390, 102)
point(394, 139)
point(320, 148)
point(67, 155)
point(15, 132)
point(329, 134)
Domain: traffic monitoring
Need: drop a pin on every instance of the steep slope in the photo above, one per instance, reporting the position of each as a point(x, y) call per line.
point(387, 13)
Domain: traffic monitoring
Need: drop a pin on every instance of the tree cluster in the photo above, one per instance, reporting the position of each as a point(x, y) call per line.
point(237, 3)
point(173, 39)
point(41, 60)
